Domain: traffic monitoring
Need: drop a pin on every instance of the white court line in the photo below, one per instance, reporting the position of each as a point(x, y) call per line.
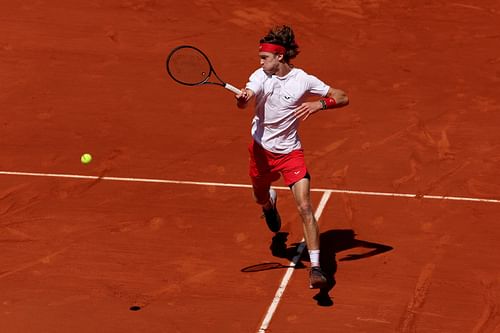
point(184, 182)
point(288, 275)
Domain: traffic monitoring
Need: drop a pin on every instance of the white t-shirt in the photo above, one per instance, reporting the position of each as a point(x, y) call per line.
point(274, 125)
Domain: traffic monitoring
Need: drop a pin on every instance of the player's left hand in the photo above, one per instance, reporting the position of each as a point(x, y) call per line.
point(306, 109)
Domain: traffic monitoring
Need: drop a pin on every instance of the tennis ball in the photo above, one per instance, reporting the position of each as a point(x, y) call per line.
point(86, 158)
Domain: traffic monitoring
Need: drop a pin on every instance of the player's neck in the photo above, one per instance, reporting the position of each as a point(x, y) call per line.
point(283, 69)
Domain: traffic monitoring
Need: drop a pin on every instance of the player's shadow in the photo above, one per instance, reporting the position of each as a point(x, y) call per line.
point(331, 243)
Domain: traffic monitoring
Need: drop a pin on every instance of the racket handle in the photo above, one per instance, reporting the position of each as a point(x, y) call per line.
point(232, 88)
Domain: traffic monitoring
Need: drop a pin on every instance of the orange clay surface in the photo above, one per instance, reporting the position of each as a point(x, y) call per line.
point(79, 76)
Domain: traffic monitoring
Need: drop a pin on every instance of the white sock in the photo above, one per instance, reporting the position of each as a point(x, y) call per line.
point(314, 256)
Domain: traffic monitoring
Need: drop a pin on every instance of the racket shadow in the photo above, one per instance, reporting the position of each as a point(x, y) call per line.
point(265, 266)
point(279, 249)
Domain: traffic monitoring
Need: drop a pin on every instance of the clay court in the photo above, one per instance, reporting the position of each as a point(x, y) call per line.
point(159, 233)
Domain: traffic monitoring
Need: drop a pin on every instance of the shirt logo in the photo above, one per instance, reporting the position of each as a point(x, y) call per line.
point(287, 97)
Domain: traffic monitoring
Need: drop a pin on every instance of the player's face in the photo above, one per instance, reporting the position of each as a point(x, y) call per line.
point(269, 62)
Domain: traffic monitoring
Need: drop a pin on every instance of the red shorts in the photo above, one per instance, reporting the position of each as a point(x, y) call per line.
point(266, 167)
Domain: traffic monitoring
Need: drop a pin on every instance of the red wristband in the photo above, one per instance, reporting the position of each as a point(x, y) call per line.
point(328, 102)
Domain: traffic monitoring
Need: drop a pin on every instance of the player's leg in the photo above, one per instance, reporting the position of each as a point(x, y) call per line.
point(294, 170)
point(301, 193)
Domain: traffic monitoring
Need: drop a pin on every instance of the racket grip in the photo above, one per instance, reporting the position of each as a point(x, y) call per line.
point(232, 88)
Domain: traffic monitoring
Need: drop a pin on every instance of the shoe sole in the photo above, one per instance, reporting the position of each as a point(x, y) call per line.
point(275, 227)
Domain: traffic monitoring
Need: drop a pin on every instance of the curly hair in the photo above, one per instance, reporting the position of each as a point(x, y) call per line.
point(283, 35)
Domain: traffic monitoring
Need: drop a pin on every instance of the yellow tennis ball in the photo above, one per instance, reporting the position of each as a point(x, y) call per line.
point(86, 158)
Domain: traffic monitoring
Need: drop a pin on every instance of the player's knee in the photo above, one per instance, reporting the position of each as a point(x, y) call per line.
point(305, 209)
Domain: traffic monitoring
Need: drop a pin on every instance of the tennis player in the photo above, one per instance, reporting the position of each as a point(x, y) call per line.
point(279, 91)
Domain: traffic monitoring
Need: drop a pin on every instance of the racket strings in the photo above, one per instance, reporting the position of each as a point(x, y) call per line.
point(189, 66)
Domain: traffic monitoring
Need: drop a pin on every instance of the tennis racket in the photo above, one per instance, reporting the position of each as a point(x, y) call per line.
point(188, 65)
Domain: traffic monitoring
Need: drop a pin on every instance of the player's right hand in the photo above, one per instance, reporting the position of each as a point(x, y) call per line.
point(243, 97)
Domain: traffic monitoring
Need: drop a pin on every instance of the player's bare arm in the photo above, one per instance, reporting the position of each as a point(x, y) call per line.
point(334, 98)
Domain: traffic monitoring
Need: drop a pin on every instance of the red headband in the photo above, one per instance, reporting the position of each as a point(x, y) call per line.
point(273, 48)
